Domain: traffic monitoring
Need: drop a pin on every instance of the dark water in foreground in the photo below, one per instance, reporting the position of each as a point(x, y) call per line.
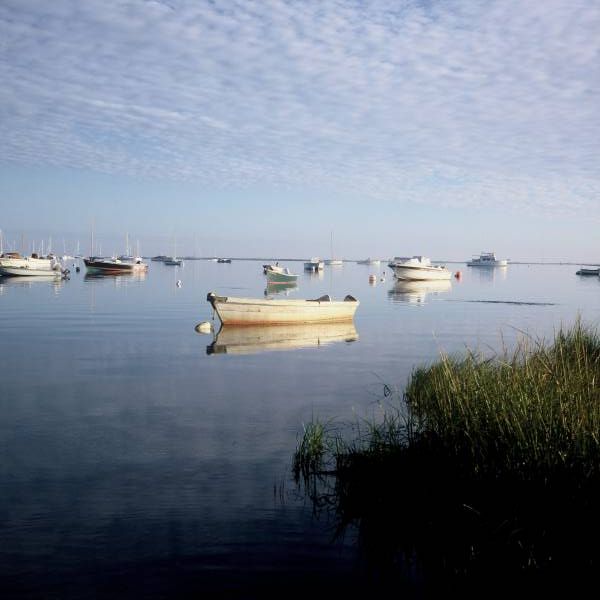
point(134, 463)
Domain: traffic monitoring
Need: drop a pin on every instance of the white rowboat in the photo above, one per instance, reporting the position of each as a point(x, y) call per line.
point(267, 311)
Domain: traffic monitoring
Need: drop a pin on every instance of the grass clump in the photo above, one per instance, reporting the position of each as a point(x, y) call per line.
point(535, 410)
point(487, 469)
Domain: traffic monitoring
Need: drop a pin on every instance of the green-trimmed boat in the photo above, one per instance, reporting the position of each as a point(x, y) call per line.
point(281, 276)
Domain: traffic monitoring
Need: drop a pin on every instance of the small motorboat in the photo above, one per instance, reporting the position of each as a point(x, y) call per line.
point(14, 265)
point(281, 276)
point(268, 311)
point(588, 271)
point(314, 264)
point(487, 259)
point(113, 266)
point(173, 261)
point(417, 268)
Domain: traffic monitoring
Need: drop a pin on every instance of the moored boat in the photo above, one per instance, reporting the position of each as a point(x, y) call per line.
point(267, 311)
point(281, 276)
point(95, 264)
point(417, 268)
point(487, 259)
point(588, 271)
point(13, 264)
point(314, 264)
point(368, 261)
point(173, 261)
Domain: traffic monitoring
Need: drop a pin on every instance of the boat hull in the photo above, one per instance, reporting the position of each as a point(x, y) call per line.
point(29, 272)
point(276, 277)
point(252, 311)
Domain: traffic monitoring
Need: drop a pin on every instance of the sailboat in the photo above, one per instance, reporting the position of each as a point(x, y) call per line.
point(333, 261)
point(173, 260)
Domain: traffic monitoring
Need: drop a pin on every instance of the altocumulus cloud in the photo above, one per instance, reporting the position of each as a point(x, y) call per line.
point(453, 102)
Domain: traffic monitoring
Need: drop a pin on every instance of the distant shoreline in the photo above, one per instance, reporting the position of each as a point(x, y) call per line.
point(452, 262)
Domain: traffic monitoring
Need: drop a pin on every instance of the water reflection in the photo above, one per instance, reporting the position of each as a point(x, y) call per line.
point(258, 338)
point(118, 278)
point(31, 280)
point(415, 292)
point(314, 274)
point(487, 274)
point(280, 289)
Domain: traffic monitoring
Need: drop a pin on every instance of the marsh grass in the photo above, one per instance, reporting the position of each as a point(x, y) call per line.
point(532, 411)
point(485, 469)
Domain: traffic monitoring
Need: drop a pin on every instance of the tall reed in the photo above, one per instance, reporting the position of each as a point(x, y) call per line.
point(531, 410)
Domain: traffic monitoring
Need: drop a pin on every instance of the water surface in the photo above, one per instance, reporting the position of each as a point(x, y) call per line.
point(136, 462)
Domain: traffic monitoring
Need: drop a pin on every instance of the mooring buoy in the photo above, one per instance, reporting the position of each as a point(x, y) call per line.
point(204, 327)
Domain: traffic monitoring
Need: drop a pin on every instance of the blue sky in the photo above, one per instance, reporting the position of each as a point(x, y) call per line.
point(258, 128)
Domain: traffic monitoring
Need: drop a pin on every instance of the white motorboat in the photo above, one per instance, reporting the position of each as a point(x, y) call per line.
point(417, 268)
point(13, 264)
point(314, 264)
point(283, 277)
point(268, 311)
point(173, 261)
point(487, 259)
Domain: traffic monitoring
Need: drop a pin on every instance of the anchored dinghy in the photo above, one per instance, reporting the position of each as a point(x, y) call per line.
point(267, 311)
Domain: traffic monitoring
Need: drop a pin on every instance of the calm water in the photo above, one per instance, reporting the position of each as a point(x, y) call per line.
point(136, 463)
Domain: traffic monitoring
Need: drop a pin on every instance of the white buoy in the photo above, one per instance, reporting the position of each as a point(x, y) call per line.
point(204, 327)
point(179, 283)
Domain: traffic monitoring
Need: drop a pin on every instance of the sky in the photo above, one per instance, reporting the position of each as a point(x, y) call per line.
point(270, 127)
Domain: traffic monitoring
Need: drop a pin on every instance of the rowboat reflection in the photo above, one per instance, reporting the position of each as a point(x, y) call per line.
point(258, 338)
point(415, 292)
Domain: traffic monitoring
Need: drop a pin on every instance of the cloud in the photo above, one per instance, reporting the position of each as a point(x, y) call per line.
point(460, 103)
